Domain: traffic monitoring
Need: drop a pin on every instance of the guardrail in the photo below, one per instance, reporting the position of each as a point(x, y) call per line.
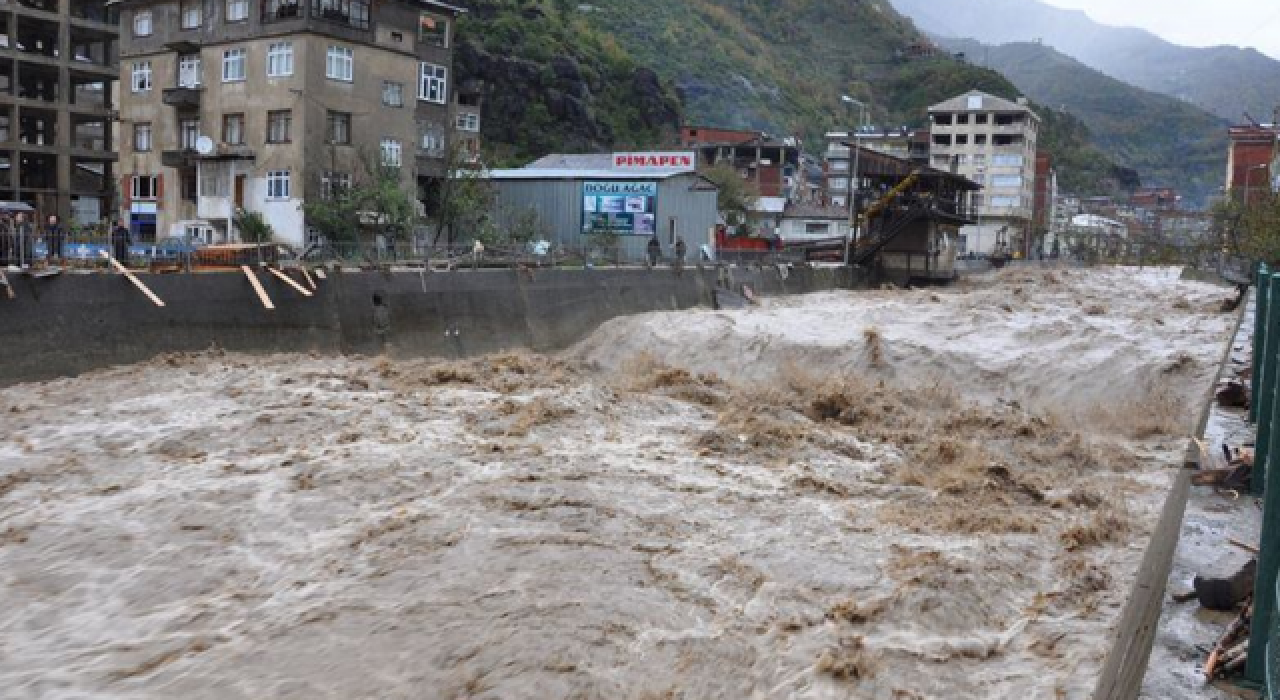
point(1264, 630)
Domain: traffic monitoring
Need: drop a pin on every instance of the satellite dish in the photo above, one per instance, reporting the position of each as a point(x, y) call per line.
point(204, 145)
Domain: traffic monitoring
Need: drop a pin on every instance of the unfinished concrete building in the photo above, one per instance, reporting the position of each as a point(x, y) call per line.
point(262, 105)
point(57, 77)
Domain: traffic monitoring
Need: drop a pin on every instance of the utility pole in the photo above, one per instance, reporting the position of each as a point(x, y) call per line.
point(856, 180)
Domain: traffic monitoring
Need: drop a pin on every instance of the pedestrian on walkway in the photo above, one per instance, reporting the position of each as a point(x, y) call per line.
point(681, 249)
point(477, 252)
point(120, 240)
point(54, 236)
point(654, 250)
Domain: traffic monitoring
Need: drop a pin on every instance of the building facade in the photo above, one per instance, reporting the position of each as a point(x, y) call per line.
point(991, 141)
point(1253, 160)
point(771, 165)
point(57, 79)
point(580, 200)
point(260, 105)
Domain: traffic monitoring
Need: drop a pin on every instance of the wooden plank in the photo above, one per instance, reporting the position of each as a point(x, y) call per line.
point(8, 288)
point(289, 281)
point(257, 287)
point(307, 274)
point(136, 282)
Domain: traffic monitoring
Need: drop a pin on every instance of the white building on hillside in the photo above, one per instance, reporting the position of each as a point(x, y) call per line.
point(991, 141)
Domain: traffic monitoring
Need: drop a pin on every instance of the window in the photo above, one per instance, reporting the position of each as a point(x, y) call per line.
point(392, 94)
point(279, 124)
point(839, 166)
point(340, 64)
point(189, 132)
point(962, 119)
point(942, 161)
point(962, 139)
point(351, 12)
point(143, 187)
point(189, 183)
point(142, 23)
point(142, 137)
point(982, 119)
point(433, 30)
point(339, 127)
point(1006, 181)
point(237, 10)
point(974, 102)
point(277, 184)
point(942, 139)
point(978, 200)
point(189, 70)
point(432, 141)
point(191, 14)
point(962, 159)
point(1004, 202)
point(817, 227)
point(391, 153)
point(280, 59)
point(142, 76)
point(233, 129)
point(433, 83)
point(1007, 160)
point(979, 159)
point(280, 9)
point(980, 139)
point(213, 180)
point(334, 185)
point(468, 122)
point(233, 65)
point(839, 183)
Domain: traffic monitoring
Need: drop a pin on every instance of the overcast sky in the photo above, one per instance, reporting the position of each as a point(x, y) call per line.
point(1253, 23)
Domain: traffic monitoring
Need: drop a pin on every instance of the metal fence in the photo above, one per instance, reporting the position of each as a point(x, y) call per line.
point(1264, 632)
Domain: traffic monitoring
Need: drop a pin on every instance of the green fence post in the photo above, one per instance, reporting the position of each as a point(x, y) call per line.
point(1264, 590)
point(1265, 365)
point(1261, 297)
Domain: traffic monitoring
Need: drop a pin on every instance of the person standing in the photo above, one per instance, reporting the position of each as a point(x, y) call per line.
point(654, 250)
point(120, 240)
point(681, 249)
point(477, 252)
point(54, 236)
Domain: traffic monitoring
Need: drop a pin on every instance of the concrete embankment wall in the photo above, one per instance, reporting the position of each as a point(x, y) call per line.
point(64, 325)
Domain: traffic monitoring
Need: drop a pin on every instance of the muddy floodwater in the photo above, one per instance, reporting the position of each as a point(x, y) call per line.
point(891, 494)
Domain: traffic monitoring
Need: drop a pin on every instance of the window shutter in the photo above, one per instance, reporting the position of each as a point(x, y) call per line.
point(159, 191)
point(126, 191)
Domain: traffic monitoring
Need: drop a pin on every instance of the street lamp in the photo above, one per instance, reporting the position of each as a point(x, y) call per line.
point(856, 181)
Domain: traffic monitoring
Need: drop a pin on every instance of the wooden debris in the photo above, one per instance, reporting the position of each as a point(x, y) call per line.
point(1243, 545)
point(136, 282)
point(4, 282)
point(1228, 643)
point(289, 281)
point(257, 287)
point(1233, 393)
point(307, 274)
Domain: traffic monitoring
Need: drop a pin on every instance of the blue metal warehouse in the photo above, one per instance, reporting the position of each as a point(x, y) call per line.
point(634, 196)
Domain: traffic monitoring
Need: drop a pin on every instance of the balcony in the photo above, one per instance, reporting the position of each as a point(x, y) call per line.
point(185, 158)
point(182, 97)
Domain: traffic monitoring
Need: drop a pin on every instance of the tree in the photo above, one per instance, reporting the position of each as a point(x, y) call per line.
point(253, 226)
point(376, 200)
point(1253, 230)
point(464, 201)
point(736, 198)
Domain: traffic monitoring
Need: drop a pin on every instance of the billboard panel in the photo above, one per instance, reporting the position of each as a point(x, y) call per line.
point(620, 208)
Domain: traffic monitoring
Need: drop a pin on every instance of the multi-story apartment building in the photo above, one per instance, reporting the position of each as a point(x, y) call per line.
point(991, 141)
point(904, 143)
point(770, 165)
point(57, 76)
point(263, 104)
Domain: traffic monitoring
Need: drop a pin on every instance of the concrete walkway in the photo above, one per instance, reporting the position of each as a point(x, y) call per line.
point(1187, 631)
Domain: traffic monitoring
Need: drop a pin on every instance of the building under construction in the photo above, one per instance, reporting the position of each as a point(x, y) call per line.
point(57, 78)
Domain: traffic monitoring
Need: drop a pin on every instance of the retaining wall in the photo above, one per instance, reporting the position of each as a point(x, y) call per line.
point(64, 325)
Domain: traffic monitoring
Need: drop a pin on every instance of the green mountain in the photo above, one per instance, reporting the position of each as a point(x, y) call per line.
point(1171, 142)
point(555, 67)
point(1225, 80)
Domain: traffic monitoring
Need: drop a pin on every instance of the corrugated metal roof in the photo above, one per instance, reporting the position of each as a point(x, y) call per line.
point(532, 173)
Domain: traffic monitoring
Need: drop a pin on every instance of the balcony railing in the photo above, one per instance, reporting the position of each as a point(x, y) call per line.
point(281, 10)
point(182, 97)
point(353, 13)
